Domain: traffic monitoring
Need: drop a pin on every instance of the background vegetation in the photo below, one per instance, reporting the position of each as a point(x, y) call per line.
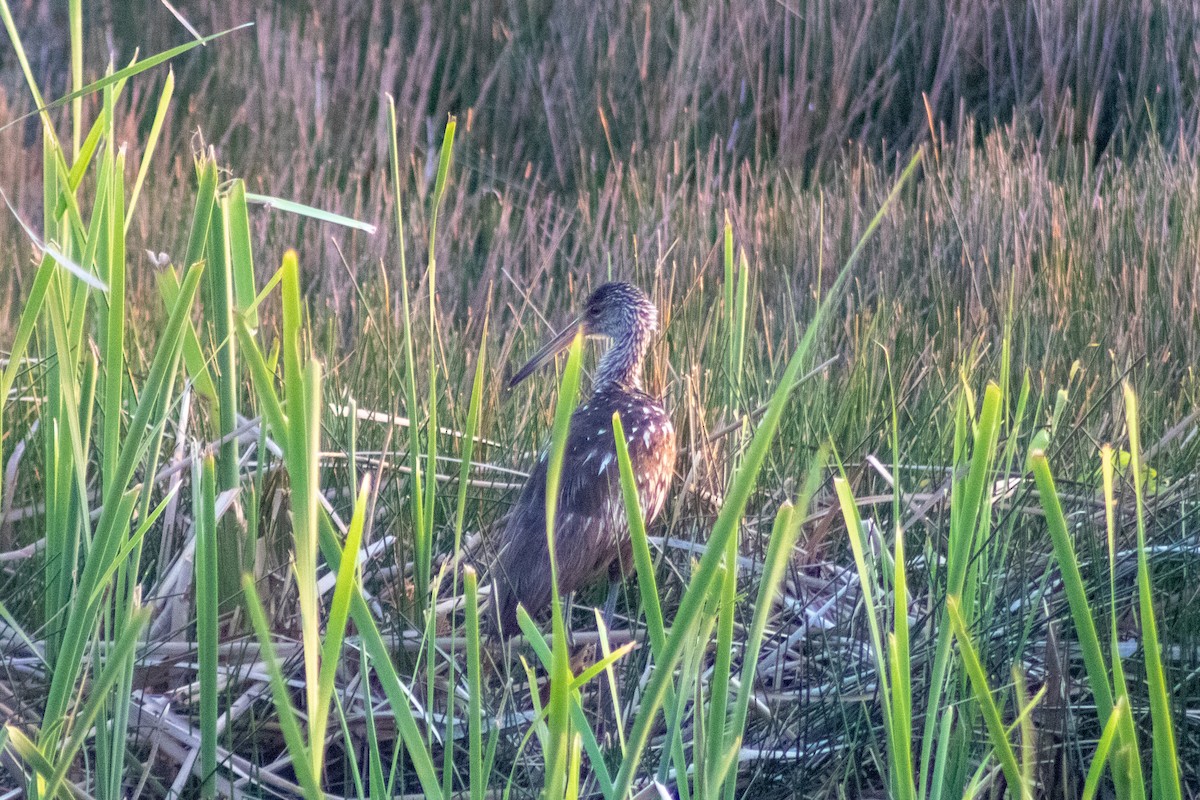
point(1047, 242)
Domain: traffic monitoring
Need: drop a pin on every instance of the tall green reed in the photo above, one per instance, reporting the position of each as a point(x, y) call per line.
point(94, 617)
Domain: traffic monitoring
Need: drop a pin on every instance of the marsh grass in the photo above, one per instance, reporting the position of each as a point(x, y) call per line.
point(955, 624)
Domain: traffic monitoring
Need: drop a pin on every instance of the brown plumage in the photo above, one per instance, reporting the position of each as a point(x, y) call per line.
point(591, 530)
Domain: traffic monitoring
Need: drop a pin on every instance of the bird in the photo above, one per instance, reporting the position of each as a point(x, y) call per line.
point(591, 527)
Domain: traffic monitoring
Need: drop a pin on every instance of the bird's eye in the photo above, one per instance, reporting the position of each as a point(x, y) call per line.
point(593, 312)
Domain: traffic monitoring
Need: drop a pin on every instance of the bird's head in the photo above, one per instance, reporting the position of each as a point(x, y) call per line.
point(617, 311)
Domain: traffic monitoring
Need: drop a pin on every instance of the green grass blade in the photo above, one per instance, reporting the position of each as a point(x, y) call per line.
point(128, 549)
point(202, 214)
point(477, 779)
point(733, 366)
point(111, 316)
point(292, 207)
point(560, 671)
point(1068, 565)
point(160, 116)
point(120, 76)
point(983, 694)
point(220, 312)
point(83, 158)
point(966, 503)
point(302, 401)
point(866, 582)
point(718, 701)
point(1165, 753)
point(578, 719)
point(24, 747)
point(647, 588)
point(974, 491)
point(1100, 757)
point(643, 561)
point(193, 355)
point(1130, 782)
point(122, 652)
point(241, 255)
point(118, 505)
point(289, 724)
point(779, 551)
point(339, 615)
point(416, 501)
point(204, 485)
point(423, 555)
point(25, 325)
point(381, 660)
point(263, 377)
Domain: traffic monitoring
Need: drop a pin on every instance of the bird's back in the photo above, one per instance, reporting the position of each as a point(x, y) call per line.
point(592, 531)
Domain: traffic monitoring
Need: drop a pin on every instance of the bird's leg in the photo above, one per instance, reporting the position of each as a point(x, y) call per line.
point(604, 714)
point(567, 607)
point(610, 605)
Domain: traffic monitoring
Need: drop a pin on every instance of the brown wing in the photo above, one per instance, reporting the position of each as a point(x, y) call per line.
point(591, 529)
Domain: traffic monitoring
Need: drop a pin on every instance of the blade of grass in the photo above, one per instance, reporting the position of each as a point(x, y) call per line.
point(339, 615)
point(423, 555)
point(1165, 753)
point(579, 720)
point(1129, 783)
point(966, 503)
point(648, 591)
point(122, 650)
point(372, 642)
point(560, 672)
point(1072, 579)
point(477, 779)
point(718, 701)
point(416, 500)
point(16, 356)
point(1100, 757)
point(289, 724)
point(241, 255)
point(223, 345)
point(859, 546)
point(193, 354)
point(160, 116)
point(136, 68)
point(1001, 747)
point(292, 207)
point(779, 550)
point(204, 485)
point(899, 652)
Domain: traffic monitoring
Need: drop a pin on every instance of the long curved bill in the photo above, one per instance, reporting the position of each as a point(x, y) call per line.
point(549, 350)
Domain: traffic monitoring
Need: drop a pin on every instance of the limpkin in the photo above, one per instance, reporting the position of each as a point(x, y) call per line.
point(591, 528)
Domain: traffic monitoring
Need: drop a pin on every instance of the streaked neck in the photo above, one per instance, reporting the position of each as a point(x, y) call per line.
point(621, 365)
